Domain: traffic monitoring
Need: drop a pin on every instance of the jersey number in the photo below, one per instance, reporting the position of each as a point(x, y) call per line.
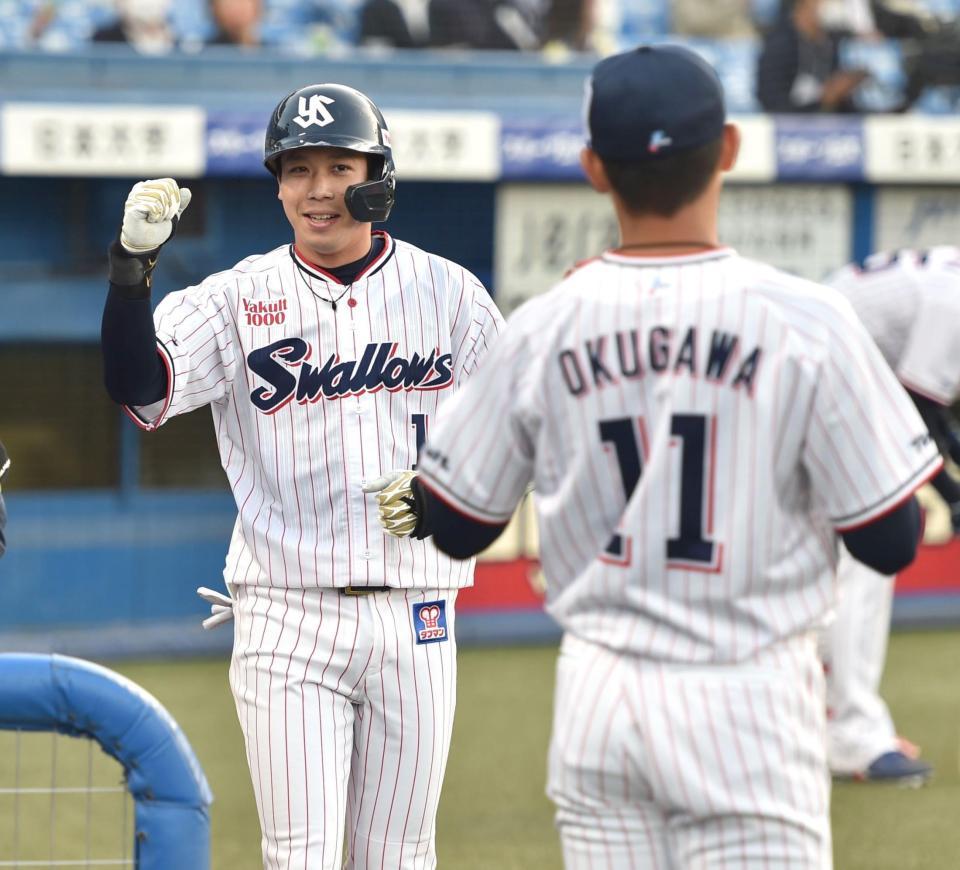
point(419, 423)
point(690, 548)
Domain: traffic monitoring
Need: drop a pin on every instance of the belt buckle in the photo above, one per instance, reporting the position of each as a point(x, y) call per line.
point(359, 590)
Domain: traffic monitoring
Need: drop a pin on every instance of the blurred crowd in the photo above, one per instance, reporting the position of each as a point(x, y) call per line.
point(799, 55)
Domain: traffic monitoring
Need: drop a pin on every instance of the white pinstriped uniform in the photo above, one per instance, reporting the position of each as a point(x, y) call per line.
point(909, 302)
point(346, 714)
point(751, 416)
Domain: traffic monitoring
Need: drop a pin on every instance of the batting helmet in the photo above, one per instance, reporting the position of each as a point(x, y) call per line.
point(336, 116)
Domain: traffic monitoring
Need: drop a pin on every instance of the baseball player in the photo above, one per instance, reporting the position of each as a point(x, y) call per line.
point(909, 302)
point(700, 431)
point(324, 363)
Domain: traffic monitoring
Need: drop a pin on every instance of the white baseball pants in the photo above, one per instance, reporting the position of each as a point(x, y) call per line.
point(859, 725)
point(669, 766)
point(347, 723)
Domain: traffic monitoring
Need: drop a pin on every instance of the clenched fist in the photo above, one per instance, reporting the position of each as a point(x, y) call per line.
point(150, 212)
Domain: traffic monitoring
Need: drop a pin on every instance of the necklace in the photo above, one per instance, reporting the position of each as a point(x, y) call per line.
point(709, 246)
point(333, 300)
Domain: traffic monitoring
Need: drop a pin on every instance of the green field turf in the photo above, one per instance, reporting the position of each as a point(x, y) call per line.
point(493, 814)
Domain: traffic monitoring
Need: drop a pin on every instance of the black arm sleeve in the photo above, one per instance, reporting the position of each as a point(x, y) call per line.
point(133, 372)
point(888, 544)
point(453, 533)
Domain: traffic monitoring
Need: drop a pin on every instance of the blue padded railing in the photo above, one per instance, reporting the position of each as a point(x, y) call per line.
point(81, 699)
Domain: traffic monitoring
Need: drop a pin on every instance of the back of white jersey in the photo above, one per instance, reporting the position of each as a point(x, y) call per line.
point(909, 302)
point(696, 428)
point(311, 400)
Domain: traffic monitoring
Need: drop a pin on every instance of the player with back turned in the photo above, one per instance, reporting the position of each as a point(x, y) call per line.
point(700, 430)
point(324, 362)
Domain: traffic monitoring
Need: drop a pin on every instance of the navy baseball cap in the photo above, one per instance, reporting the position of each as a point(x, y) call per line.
point(651, 102)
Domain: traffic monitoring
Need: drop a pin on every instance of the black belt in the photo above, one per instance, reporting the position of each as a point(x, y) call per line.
point(363, 590)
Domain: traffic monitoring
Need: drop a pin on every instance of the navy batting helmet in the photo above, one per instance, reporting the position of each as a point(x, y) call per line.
point(336, 116)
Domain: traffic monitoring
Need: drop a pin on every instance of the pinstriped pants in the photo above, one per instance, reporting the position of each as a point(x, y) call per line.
point(663, 767)
point(347, 724)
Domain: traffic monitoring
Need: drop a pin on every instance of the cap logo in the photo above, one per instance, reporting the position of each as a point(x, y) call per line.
point(659, 139)
point(315, 111)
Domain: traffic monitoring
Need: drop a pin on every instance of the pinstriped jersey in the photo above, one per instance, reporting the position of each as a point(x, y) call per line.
point(910, 303)
point(310, 399)
point(696, 428)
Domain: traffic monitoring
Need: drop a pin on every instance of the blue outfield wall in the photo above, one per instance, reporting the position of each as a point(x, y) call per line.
point(84, 558)
point(105, 576)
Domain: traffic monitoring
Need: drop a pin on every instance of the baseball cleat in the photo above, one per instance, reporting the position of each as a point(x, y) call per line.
point(896, 767)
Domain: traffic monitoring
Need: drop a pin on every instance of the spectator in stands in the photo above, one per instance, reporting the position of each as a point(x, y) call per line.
point(507, 25)
point(895, 19)
point(237, 22)
point(142, 24)
point(395, 23)
point(799, 68)
point(718, 19)
point(570, 25)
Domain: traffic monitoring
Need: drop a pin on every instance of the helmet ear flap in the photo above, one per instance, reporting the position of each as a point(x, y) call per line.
point(373, 200)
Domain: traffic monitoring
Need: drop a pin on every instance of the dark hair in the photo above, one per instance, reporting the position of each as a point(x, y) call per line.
point(662, 187)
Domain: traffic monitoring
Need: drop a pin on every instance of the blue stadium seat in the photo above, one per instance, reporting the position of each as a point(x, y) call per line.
point(765, 12)
point(883, 91)
point(736, 63)
point(74, 24)
point(642, 21)
point(191, 20)
point(938, 101)
point(947, 9)
point(16, 16)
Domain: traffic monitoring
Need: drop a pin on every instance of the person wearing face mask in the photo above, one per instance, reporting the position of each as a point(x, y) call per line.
point(142, 24)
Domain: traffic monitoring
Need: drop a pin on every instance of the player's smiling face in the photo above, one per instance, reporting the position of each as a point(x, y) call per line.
point(313, 182)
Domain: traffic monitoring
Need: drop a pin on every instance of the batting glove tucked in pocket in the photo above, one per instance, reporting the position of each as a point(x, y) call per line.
point(221, 607)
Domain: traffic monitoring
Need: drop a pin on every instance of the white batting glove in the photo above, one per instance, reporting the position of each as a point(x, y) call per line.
point(149, 212)
point(395, 502)
point(221, 607)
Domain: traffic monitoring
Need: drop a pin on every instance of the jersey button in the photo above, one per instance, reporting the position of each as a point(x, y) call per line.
point(366, 554)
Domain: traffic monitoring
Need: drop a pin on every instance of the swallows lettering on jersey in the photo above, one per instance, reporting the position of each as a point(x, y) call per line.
point(283, 365)
point(605, 359)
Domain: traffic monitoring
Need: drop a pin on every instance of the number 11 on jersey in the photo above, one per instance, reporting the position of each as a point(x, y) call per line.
point(695, 436)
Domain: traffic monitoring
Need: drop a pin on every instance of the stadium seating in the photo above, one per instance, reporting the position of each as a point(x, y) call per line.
point(331, 26)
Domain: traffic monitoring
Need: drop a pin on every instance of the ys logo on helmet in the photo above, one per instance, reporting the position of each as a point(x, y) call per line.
point(314, 111)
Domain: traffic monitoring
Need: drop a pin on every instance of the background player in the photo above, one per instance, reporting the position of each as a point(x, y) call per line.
point(698, 428)
point(909, 302)
point(323, 362)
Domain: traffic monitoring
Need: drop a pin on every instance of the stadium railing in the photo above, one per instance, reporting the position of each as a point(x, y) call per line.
point(51, 693)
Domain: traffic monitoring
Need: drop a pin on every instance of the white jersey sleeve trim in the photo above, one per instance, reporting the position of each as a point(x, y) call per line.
point(459, 505)
point(893, 500)
point(147, 417)
point(926, 392)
